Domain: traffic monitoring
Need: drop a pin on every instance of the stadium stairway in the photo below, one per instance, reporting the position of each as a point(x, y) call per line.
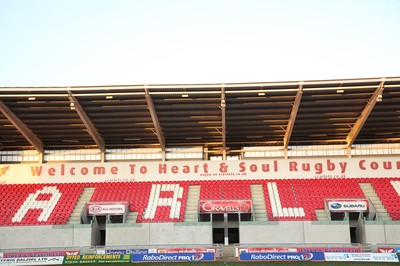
point(192, 204)
point(85, 197)
point(322, 215)
point(131, 217)
point(371, 194)
point(259, 207)
point(228, 253)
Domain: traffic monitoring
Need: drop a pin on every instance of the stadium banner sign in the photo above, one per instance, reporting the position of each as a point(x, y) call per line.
point(52, 260)
point(367, 257)
point(330, 249)
point(98, 258)
point(174, 257)
point(263, 250)
point(386, 250)
point(109, 208)
point(345, 205)
point(360, 167)
point(225, 206)
point(50, 253)
point(186, 250)
point(297, 249)
point(126, 251)
point(282, 256)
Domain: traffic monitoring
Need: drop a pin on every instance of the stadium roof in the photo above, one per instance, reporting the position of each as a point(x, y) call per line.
point(216, 116)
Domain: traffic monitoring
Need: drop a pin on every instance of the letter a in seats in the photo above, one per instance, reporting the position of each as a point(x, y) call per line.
point(155, 200)
point(31, 202)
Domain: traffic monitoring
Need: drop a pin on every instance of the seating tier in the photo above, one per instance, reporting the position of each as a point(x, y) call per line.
point(289, 199)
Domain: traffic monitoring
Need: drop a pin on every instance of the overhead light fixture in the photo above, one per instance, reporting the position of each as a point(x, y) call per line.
point(340, 91)
point(185, 95)
point(31, 98)
point(109, 97)
point(72, 106)
point(261, 94)
point(379, 98)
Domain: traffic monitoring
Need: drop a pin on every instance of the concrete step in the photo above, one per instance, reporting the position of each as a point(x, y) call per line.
point(192, 204)
point(83, 199)
point(259, 208)
point(371, 194)
point(322, 215)
point(131, 217)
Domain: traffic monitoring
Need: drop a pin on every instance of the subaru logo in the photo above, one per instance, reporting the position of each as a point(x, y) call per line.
point(336, 205)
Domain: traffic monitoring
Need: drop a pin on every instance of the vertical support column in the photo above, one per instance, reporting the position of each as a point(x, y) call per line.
point(163, 156)
point(40, 157)
point(223, 115)
point(205, 154)
point(226, 232)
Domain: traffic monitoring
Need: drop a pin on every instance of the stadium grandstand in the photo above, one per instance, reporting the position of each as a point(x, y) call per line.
point(301, 165)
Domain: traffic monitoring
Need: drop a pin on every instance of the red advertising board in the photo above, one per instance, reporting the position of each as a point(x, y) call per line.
point(106, 208)
point(386, 250)
point(225, 206)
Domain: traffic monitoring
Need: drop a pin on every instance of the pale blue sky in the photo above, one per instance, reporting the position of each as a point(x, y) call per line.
point(97, 42)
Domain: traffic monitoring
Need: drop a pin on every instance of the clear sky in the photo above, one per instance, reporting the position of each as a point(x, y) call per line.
point(115, 42)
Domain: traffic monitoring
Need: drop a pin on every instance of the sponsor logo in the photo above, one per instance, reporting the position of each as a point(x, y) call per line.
point(55, 259)
point(225, 206)
point(348, 205)
point(95, 209)
point(336, 205)
point(106, 208)
point(307, 256)
point(3, 170)
point(386, 250)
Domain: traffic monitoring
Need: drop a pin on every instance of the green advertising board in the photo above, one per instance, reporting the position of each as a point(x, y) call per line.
point(97, 258)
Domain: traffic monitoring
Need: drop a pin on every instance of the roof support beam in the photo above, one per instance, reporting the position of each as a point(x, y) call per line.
point(223, 118)
point(351, 137)
point(292, 118)
point(88, 124)
point(22, 128)
point(154, 117)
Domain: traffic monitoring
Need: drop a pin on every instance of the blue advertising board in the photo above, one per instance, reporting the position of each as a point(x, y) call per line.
point(282, 256)
point(174, 257)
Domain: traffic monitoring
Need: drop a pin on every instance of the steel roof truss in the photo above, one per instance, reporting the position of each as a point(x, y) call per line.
point(22, 128)
point(351, 137)
point(155, 119)
point(87, 122)
point(292, 118)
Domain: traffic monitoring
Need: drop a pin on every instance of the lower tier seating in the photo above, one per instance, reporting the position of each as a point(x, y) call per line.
point(289, 199)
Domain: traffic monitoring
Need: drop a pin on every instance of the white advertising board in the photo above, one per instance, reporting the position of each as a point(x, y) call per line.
point(105, 208)
point(200, 170)
point(344, 205)
point(373, 257)
point(32, 261)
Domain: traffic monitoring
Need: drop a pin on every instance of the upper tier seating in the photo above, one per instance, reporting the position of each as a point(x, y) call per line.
point(297, 199)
